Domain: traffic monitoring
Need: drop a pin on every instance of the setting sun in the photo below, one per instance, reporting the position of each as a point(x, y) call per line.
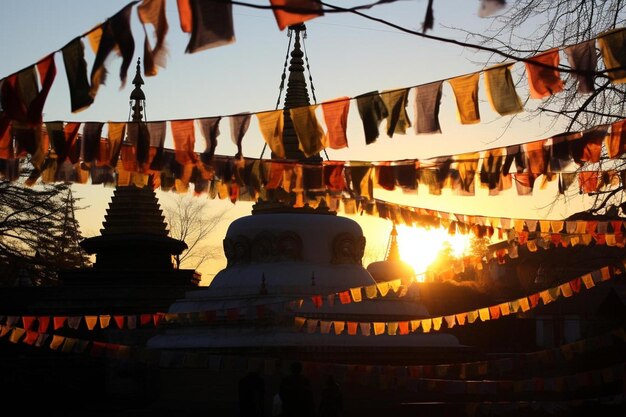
point(419, 247)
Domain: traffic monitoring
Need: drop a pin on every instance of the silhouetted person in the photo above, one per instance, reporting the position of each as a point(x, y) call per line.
point(252, 395)
point(296, 394)
point(331, 402)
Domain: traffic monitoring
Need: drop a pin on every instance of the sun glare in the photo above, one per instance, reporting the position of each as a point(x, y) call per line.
point(419, 247)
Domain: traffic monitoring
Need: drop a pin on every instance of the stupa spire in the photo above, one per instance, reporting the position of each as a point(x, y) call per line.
point(297, 95)
point(137, 97)
point(393, 251)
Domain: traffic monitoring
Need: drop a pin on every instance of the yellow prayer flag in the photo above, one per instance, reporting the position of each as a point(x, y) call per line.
point(501, 90)
point(465, 90)
point(566, 290)
point(545, 297)
point(610, 239)
point(483, 313)
point(504, 309)
point(427, 325)
point(518, 225)
point(605, 273)
point(437, 323)
point(415, 324)
point(472, 316)
point(544, 226)
point(339, 326)
point(91, 322)
point(557, 225)
point(379, 328)
point(383, 288)
point(94, 37)
point(588, 281)
point(371, 291)
point(392, 328)
point(524, 304)
point(574, 240)
point(271, 125)
point(356, 294)
point(307, 129)
point(611, 45)
point(395, 284)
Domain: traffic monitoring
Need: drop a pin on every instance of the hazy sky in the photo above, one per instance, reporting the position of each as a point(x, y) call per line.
point(348, 56)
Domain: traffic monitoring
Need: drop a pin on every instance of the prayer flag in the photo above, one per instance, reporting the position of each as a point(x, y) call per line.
point(582, 57)
point(437, 321)
point(325, 326)
point(613, 48)
point(44, 323)
point(212, 24)
point(238, 127)
point(339, 326)
point(379, 328)
point(501, 90)
point(465, 90)
point(76, 72)
point(307, 129)
point(271, 124)
point(336, 119)
point(153, 12)
point(427, 101)
point(392, 328)
point(427, 325)
point(356, 294)
point(544, 81)
point(104, 321)
point(397, 117)
point(184, 141)
point(91, 322)
point(293, 12)
point(372, 111)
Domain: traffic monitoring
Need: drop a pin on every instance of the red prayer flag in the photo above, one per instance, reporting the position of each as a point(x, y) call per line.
point(44, 323)
point(333, 176)
point(403, 327)
point(494, 312)
point(119, 321)
point(59, 322)
point(28, 322)
point(184, 13)
point(31, 337)
point(317, 301)
point(156, 318)
point(344, 297)
point(534, 300)
point(575, 285)
point(293, 12)
point(145, 319)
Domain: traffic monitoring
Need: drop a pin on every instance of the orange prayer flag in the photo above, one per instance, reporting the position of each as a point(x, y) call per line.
point(352, 328)
point(339, 326)
point(184, 13)
point(293, 12)
point(392, 328)
point(336, 119)
point(184, 137)
point(403, 327)
point(543, 81)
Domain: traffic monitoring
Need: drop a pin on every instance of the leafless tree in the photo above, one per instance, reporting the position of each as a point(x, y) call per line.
point(527, 27)
point(192, 220)
point(38, 232)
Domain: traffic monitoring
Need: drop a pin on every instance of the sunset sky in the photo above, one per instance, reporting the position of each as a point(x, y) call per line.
point(348, 55)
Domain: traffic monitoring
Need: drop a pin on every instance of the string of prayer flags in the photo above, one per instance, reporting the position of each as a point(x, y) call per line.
point(481, 314)
point(543, 81)
point(293, 12)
